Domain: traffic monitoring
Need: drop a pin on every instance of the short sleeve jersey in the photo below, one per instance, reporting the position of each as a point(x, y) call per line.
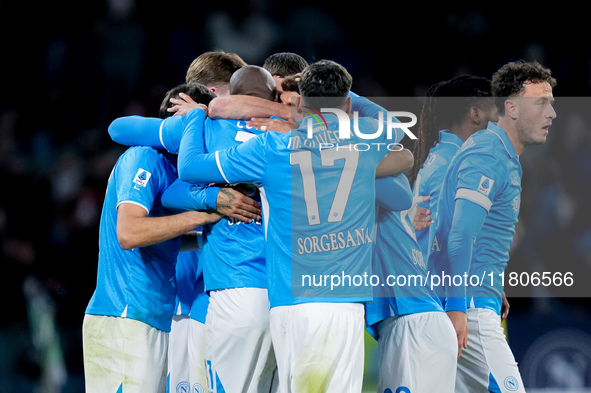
point(319, 205)
point(398, 262)
point(188, 270)
point(430, 177)
point(487, 172)
point(136, 283)
point(191, 297)
point(234, 252)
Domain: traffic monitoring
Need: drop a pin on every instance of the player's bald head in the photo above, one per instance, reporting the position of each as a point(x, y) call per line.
point(254, 81)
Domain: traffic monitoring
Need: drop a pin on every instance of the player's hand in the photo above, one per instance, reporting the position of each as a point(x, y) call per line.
point(504, 307)
point(184, 104)
point(265, 124)
point(233, 203)
point(460, 321)
point(288, 97)
point(420, 216)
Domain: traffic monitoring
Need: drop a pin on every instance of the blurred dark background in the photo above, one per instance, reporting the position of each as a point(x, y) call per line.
point(69, 68)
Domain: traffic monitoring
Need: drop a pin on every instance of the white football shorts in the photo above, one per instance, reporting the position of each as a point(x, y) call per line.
point(197, 374)
point(238, 348)
point(122, 353)
point(319, 347)
point(417, 353)
point(488, 365)
point(178, 355)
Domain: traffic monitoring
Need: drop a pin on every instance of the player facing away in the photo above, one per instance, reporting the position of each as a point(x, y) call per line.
point(233, 256)
point(309, 193)
point(416, 341)
point(239, 351)
point(186, 341)
point(477, 212)
point(453, 110)
point(125, 329)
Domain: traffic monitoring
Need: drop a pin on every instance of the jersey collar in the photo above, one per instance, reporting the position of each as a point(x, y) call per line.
point(445, 136)
point(498, 131)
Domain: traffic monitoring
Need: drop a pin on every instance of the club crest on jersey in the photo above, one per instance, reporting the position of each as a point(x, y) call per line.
point(485, 185)
point(511, 383)
point(141, 177)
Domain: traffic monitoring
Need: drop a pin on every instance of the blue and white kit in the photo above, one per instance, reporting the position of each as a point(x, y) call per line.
point(430, 177)
point(477, 212)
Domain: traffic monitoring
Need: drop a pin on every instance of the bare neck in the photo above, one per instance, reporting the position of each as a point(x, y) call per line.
point(508, 124)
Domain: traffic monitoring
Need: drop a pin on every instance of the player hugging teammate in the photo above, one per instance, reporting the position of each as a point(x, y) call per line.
point(200, 280)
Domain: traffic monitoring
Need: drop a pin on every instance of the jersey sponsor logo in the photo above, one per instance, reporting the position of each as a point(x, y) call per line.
point(141, 177)
point(485, 185)
point(511, 383)
point(333, 241)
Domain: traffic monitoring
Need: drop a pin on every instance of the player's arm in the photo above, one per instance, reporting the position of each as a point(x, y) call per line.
point(136, 131)
point(244, 163)
point(183, 196)
point(136, 229)
point(153, 132)
point(467, 222)
point(365, 107)
point(246, 107)
point(194, 166)
point(272, 124)
point(505, 307)
point(393, 192)
point(395, 162)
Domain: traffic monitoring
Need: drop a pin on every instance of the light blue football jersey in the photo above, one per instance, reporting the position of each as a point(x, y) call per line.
point(234, 252)
point(430, 178)
point(191, 298)
point(399, 264)
point(189, 271)
point(136, 283)
point(318, 202)
point(487, 172)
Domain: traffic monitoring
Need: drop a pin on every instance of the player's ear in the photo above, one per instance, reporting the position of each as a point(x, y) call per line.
point(474, 114)
point(511, 108)
point(348, 105)
point(299, 104)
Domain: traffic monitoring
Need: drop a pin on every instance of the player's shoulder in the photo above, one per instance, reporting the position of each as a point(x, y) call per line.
point(367, 122)
point(482, 158)
point(218, 124)
point(275, 137)
point(142, 155)
point(142, 151)
point(482, 143)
